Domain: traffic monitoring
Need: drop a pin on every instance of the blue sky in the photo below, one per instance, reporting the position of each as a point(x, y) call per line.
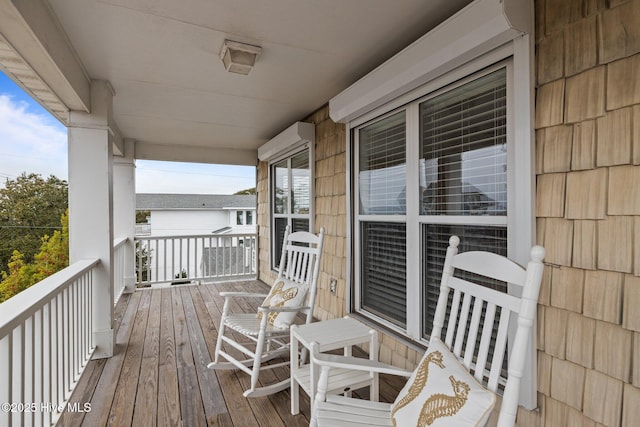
point(33, 141)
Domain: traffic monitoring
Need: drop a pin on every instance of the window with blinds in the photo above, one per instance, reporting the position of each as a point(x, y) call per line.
point(435, 240)
point(384, 279)
point(382, 162)
point(290, 199)
point(382, 166)
point(463, 149)
point(459, 136)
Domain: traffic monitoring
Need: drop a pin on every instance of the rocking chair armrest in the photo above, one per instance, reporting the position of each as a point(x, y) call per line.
point(242, 294)
point(266, 309)
point(327, 361)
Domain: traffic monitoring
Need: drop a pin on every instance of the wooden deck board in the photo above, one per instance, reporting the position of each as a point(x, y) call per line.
point(147, 394)
point(123, 404)
point(158, 376)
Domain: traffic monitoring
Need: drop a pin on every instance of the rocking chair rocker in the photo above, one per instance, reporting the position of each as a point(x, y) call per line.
point(265, 334)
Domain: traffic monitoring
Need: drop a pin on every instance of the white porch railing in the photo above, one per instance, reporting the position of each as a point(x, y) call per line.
point(45, 343)
point(119, 267)
point(178, 259)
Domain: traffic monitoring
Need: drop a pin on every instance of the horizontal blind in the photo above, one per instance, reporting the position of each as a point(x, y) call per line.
point(435, 240)
point(301, 180)
point(383, 270)
point(280, 225)
point(280, 187)
point(463, 157)
point(382, 166)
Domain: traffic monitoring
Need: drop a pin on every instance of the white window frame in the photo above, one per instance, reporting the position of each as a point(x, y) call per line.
point(290, 216)
point(520, 220)
point(244, 214)
point(412, 219)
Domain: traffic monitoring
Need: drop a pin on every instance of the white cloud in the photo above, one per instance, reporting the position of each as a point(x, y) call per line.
point(29, 142)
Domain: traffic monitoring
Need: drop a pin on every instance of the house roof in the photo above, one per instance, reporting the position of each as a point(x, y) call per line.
point(149, 201)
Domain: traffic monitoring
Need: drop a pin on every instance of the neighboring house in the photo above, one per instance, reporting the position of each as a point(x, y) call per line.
point(191, 228)
point(190, 214)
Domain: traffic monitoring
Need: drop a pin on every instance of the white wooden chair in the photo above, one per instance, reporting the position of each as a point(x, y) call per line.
point(265, 334)
point(474, 311)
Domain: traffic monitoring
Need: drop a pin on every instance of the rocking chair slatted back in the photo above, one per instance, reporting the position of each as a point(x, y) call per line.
point(299, 261)
point(480, 310)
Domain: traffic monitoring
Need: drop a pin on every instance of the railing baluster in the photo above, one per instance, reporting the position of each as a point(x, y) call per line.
point(200, 256)
point(217, 251)
point(6, 376)
point(29, 368)
point(38, 365)
point(47, 360)
point(19, 360)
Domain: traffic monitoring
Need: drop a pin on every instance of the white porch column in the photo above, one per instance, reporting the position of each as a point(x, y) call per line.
point(124, 208)
point(91, 206)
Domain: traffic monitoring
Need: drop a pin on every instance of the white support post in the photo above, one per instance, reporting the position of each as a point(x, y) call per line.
point(91, 206)
point(124, 208)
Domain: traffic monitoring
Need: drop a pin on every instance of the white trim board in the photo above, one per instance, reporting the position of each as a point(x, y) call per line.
point(292, 137)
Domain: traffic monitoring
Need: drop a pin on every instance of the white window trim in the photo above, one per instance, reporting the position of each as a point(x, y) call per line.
point(296, 138)
point(397, 82)
point(288, 154)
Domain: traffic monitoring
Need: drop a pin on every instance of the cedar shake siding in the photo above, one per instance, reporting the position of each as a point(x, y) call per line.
point(587, 162)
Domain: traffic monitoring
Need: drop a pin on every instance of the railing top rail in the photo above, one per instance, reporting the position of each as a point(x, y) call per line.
point(119, 242)
point(186, 236)
point(22, 305)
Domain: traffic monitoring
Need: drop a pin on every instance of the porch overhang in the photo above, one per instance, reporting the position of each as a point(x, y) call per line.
point(477, 29)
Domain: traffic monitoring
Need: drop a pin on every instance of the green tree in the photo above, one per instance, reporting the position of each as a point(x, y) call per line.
point(30, 208)
point(141, 216)
point(20, 277)
point(248, 191)
point(52, 257)
point(143, 263)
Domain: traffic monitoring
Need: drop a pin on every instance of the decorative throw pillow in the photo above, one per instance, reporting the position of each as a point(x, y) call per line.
point(441, 392)
point(284, 293)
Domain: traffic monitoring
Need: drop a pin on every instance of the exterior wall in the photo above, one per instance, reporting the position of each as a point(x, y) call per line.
point(264, 241)
point(180, 223)
point(331, 213)
point(588, 211)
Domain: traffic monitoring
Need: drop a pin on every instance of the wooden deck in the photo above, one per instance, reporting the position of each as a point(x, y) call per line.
point(158, 374)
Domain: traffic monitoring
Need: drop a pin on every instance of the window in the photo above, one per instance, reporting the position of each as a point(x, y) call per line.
point(431, 168)
point(290, 199)
point(381, 188)
point(244, 217)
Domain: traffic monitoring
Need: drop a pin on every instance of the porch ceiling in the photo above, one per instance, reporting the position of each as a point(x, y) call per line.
point(171, 89)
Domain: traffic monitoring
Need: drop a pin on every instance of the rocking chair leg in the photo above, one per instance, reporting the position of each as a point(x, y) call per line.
point(219, 343)
point(255, 373)
point(221, 331)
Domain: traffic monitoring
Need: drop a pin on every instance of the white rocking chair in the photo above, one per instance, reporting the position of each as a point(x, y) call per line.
point(266, 332)
point(442, 391)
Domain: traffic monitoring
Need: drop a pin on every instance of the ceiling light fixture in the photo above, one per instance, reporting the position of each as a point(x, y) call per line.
point(239, 57)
